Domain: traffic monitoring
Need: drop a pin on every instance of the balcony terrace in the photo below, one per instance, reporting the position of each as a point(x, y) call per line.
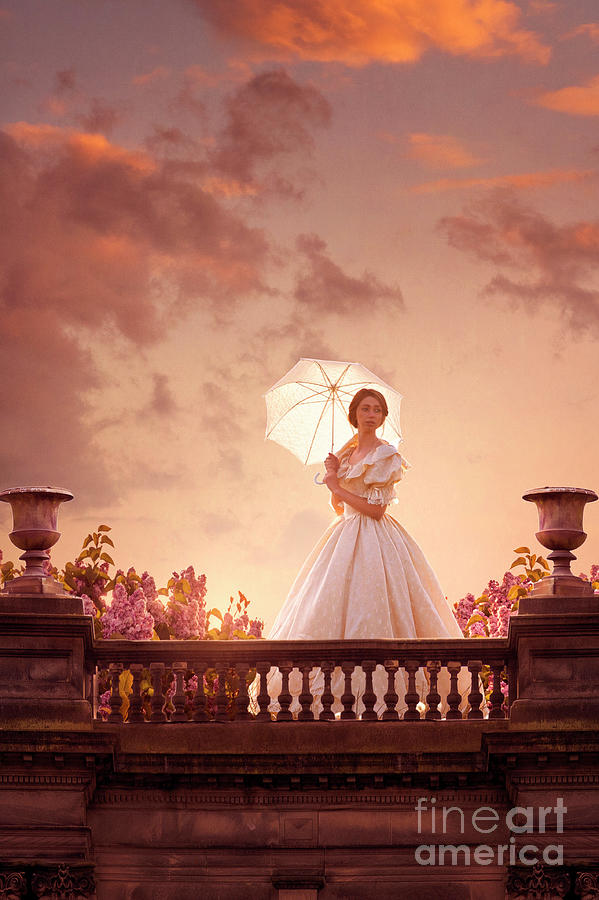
point(202, 787)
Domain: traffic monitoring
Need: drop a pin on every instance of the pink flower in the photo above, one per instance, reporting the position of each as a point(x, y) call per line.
point(89, 607)
point(128, 615)
point(256, 626)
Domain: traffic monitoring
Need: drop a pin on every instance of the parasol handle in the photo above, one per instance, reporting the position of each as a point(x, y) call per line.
point(316, 481)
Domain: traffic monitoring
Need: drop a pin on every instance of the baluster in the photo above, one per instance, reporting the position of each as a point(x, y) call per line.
point(179, 698)
point(285, 697)
point(221, 697)
point(433, 698)
point(136, 711)
point(158, 699)
point(475, 698)
point(369, 698)
point(305, 698)
point(390, 714)
point(348, 700)
point(327, 699)
point(242, 713)
point(512, 683)
point(496, 711)
point(263, 668)
point(454, 698)
point(412, 697)
point(116, 701)
point(199, 698)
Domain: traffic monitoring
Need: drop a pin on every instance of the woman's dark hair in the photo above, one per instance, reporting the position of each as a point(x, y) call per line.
point(357, 399)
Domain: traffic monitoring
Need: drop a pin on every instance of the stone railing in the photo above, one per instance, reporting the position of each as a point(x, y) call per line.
point(300, 681)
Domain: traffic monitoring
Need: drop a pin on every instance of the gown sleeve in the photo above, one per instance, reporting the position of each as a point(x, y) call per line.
point(376, 476)
point(381, 476)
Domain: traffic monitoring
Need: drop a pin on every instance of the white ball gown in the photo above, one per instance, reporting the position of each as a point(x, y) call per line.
point(365, 578)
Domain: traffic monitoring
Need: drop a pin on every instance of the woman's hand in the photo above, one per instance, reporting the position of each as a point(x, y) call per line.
point(331, 480)
point(331, 463)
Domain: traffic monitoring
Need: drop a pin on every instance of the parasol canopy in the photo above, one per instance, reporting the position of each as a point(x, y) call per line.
point(306, 410)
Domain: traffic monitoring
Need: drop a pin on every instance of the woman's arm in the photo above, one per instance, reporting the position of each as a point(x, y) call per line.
point(337, 504)
point(374, 510)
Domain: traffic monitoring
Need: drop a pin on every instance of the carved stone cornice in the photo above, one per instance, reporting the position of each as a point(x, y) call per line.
point(234, 797)
point(537, 883)
point(13, 885)
point(63, 883)
point(587, 885)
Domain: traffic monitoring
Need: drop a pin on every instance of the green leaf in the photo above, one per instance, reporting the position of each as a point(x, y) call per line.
point(86, 541)
point(522, 550)
point(106, 540)
point(215, 612)
point(518, 562)
point(543, 562)
point(475, 617)
point(104, 528)
point(125, 682)
point(107, 558)
point(163, 592)
point(185, 586)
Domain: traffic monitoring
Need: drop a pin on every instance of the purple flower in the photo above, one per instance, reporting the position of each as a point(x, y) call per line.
point(128, 615)
point(89, 607)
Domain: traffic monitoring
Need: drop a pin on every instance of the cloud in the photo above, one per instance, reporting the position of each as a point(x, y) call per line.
point(576, 100)
point(590, 28)
point(324, 287)
point(100, 243)
point(100, 117)
point(395, 31)
point(440, 151)
point(521, 181)
point(68, 102)
point(157, 74)
point(538, 261)
point(271, 117)
point(162, 402)
point(65, 81)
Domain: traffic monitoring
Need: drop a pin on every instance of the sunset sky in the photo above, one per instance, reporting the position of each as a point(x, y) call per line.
point(195, 194)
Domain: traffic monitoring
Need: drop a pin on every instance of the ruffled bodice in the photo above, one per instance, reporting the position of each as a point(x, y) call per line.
point(374, 476)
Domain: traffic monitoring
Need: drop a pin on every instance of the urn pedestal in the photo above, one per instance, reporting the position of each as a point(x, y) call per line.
point(35, 518)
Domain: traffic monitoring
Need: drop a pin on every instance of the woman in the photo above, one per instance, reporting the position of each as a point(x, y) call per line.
point(366, 578)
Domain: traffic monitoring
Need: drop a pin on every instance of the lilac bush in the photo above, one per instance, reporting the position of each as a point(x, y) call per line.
point(489, 614)
point(130, 606)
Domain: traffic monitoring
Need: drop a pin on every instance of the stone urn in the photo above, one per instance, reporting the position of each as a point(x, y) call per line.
point(560, 530)
point(35, 517)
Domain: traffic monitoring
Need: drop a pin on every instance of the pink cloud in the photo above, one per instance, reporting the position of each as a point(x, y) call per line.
point(538, 261)
point(520, 181)
point(590, 28)
point(322, 285)
point(575, 100)
point(157, 74)
point(98, 239)
point(440, 151)
point(364, 32)
point(269, 118)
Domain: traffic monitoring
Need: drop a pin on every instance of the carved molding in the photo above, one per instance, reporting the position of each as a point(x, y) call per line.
point(294, 797)
point(537, 883)
point(13, 885)
point(45, 779)
point(558, 780)
point(587, 885)
point(63, 883)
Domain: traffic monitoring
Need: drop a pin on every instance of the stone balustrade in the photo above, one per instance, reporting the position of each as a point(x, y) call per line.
point(302, 681)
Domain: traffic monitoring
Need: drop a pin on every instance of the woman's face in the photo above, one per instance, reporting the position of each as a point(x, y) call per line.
point(369, 414)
